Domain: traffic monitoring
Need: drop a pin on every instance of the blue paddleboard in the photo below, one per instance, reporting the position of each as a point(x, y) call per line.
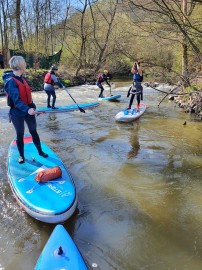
point(60, 252)
point(111, 98)
point(68, 108)
point(53, 201)
point(130, 115)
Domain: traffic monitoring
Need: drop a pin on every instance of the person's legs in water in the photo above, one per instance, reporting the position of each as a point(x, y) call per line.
point(31, 123)
point(48, 99)
point(18, 123)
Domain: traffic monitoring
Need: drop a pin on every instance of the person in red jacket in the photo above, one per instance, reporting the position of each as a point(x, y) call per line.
point(22, 108)
point(50, 81)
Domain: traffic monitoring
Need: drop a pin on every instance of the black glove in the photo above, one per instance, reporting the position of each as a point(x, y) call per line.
point(32, 105)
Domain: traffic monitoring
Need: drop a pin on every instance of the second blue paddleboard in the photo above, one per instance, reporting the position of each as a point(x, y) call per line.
point(68, 108)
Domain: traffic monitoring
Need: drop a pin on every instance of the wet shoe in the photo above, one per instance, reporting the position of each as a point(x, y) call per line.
point(21, 160)
point(54, 108)
point(48, 106)
point(43, 154)
point(128, 108)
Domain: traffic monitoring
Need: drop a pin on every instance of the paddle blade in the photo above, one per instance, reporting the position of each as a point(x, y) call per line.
point(81, 110)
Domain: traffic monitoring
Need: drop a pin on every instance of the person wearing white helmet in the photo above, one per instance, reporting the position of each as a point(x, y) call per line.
point(50, 81)
point(103, 77)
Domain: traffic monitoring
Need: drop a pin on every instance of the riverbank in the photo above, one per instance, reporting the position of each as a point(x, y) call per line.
point(191, 103)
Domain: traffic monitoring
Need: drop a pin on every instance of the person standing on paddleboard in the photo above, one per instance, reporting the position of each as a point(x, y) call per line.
point(136, 88)
point(104, 77)
point(50, 82)
point(22, 108)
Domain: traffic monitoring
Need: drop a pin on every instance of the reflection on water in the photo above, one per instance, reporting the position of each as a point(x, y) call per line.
point(138, 184)
point(134, 141)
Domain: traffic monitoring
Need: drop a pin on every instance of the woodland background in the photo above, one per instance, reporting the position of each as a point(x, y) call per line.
point(166, 36)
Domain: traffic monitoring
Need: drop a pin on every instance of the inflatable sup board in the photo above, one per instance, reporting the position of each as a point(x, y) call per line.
point(53, 201)
point(130, 115)
point(68, 108)
point(111, 98)
point(60, 252)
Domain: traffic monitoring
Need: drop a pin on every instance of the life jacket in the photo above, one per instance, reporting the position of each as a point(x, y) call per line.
point(48, 79)
point(100, 78)
point(24, 91)
point(137, 77)
point(103, 77)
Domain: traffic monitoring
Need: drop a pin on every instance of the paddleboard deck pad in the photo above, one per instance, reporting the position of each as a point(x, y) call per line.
point(60, 252)
point(130, 115)
point(53, 201)
point(111, 98)
point(68, 108)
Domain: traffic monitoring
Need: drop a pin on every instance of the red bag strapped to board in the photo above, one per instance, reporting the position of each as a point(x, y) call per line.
point(48, 174)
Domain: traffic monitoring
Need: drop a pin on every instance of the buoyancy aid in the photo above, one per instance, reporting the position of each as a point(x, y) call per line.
point(103, 77)
point(137, 77)
point(24, 91)
point(48, 79)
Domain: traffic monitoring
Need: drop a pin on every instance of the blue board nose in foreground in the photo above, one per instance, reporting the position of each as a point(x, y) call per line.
point(53, 201)
point(60, 252)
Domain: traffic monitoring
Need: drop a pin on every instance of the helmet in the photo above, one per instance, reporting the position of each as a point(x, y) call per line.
point(54, 68)
point(105, 70)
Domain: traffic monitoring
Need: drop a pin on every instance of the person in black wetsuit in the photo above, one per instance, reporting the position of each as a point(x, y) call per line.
point(22, 108)
point(137, 88)
point(104, 77)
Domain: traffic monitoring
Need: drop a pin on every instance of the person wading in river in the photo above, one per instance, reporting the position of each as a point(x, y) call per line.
point(22, 108)
point(137, 88)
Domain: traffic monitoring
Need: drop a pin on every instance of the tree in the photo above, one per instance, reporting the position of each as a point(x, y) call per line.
point(175, 18)
point(18, 25)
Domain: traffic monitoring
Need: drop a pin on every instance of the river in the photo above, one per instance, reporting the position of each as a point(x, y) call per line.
point(138, 184)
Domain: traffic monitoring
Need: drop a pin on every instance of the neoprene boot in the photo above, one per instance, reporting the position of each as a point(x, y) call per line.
point(41, 153)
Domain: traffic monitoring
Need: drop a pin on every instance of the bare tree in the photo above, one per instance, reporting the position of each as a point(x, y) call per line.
point(175, 18)
point(18, 25)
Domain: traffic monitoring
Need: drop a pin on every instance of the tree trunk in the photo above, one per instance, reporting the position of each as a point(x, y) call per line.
point(185, 79)
point(18, 25)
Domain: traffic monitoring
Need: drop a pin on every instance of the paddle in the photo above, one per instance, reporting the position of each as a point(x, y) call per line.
point(110, 89)
point(80, 109)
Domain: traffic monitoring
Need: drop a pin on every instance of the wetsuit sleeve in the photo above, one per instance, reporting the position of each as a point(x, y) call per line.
point(12, 89)
point(56, 80)
point(106, 80)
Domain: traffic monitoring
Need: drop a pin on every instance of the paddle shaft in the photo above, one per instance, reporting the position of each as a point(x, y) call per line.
point(80, 109)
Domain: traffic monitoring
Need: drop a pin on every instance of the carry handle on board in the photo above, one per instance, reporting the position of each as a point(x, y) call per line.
point(80, 109)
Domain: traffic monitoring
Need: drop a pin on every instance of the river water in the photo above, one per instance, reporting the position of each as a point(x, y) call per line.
point(138, 184)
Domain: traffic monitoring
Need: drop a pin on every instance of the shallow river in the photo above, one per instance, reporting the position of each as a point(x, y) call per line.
point(139, 185)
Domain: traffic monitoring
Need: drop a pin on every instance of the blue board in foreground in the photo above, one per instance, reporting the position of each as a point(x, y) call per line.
point(130, 115)
point(111, 98)
point(53, 201)
point(60, 252)
point(68, 108)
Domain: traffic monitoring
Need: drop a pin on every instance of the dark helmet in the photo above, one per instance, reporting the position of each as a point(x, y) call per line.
point(54, 68)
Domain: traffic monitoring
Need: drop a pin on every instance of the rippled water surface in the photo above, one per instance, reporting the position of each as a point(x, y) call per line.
point(139, 185)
